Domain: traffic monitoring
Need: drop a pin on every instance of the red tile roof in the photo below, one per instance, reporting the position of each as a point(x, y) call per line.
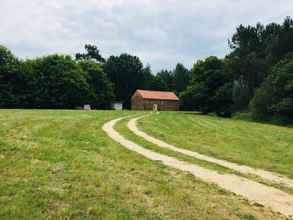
point(158, 95)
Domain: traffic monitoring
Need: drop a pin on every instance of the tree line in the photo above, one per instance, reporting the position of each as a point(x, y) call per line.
point(256, 76)
point(60, 81)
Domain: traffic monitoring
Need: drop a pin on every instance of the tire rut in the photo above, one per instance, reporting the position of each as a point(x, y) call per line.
point(269, 197)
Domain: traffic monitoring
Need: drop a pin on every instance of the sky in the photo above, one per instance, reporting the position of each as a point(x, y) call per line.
point(161, 32)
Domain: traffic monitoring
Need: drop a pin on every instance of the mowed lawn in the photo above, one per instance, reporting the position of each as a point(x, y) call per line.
point(61, 165)
point(256, 144)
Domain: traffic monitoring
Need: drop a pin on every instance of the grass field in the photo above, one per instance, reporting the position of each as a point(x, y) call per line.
point(256, 144)
point(61, 165)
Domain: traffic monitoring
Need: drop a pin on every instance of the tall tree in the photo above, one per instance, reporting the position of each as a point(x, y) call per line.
point(92, 53)
point(167, 78)
point(275, 96)
point(10, 80)
point(255, 49)
point(210, 89)
point(126, 73)
point(182, 77)
point(60, 83)
point(281, 42)
point(247, 61)
point(101, 92)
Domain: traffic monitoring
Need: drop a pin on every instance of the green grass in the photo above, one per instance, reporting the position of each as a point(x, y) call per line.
point(122, 128)
point(255, 144)
point(61, 165)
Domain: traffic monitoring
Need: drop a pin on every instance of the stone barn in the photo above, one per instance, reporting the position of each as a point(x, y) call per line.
point(154, 100)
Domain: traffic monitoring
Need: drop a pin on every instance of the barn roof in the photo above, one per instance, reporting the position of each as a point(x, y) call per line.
point(158, 95)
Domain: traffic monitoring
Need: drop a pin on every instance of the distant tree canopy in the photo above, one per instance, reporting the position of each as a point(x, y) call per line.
point(255, 49)
point(275, 96)
point(54, 81)
point(210, 89)
point(92, 53)
point(59, 82)
point(11, 78)
point(101, 92)
point(254, 72)
point(152, 82)
point(126, 73)
point(182, 77)
point(167, 78)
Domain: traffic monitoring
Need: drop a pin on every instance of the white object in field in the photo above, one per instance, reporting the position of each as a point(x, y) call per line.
point(87, 107)
point(117, 106)
point(155, 107)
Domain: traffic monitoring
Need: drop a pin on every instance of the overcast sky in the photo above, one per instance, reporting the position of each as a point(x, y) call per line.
point(160, 32)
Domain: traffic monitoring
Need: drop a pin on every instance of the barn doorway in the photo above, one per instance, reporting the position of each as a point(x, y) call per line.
point(155, 107)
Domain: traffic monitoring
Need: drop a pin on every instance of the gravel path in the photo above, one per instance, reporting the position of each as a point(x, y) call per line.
point(267, 196)
point(266, 175)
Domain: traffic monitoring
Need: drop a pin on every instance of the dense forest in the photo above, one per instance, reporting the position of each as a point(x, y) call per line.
point(256, 77)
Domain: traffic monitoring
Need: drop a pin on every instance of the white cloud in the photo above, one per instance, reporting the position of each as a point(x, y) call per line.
point(161, 32)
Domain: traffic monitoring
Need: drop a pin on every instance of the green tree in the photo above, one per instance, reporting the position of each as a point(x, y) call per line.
point(167, 78)
point(247, 61)
point(275, 96)
point(210, 89)
point(25, 88)
point(158, 84)
point(60, 83)
point(255, 49)
point(10, 79)
point(182, 77)
point(152, 82)
point(249, 72)
point(279, 41)
point(92, 53)
point(126, 72)
point(100, 88)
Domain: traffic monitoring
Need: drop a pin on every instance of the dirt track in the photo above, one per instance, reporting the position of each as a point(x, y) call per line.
point(270, 197)
point(266, 175)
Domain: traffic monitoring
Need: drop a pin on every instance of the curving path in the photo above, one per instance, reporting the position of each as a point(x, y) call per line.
point(266, 175)
point(267, 196)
